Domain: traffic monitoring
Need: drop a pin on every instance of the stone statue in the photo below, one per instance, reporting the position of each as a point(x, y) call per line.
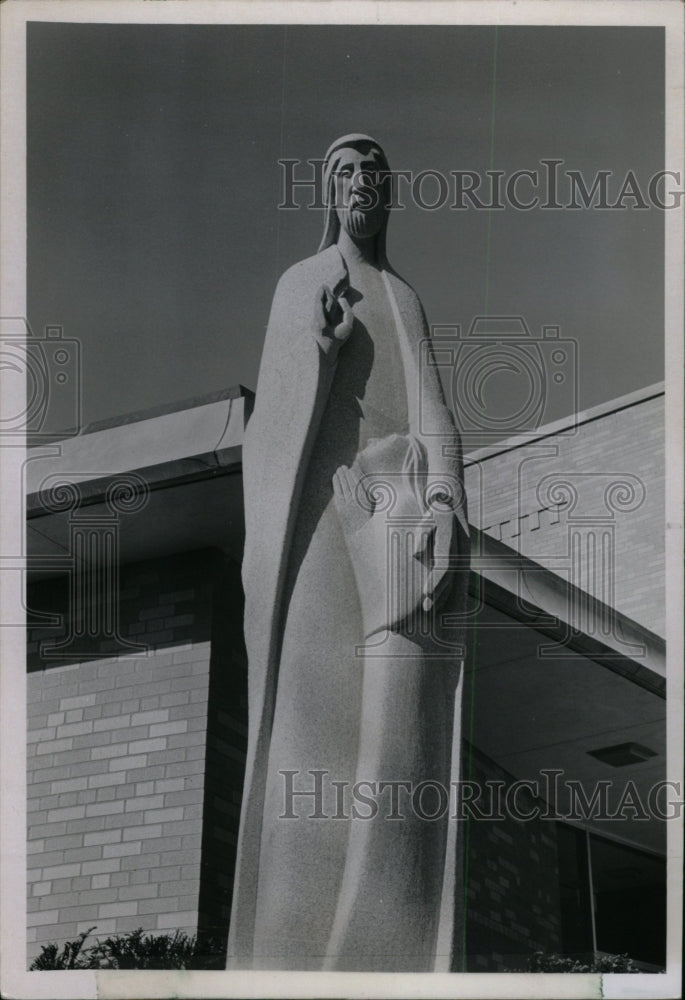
point(355, 573)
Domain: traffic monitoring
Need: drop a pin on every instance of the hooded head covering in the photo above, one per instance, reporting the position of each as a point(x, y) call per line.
point(365, 144)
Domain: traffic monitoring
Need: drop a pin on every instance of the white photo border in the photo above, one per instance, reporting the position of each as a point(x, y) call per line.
point(15, 981)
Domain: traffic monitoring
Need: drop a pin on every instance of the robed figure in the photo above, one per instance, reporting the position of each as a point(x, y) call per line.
point(355, 574)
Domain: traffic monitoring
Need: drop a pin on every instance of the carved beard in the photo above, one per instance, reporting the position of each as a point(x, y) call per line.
point(362, 223)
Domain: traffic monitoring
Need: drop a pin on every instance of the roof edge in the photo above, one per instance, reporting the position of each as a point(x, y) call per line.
point(567, 423)
point(161, 410)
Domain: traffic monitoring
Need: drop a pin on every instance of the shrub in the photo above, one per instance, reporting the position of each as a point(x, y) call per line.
point(71, 956)
point(540, 961)
point(138, 950)
point(133, 950)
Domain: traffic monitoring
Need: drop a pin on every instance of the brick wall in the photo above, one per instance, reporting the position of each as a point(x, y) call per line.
point(121, 784)
point(511, 496)
point(511, 882)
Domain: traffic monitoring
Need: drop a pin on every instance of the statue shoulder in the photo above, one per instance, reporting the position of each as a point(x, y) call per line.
point(292, 299)
point(298, 272)
point(292, 306)
point(325, 267)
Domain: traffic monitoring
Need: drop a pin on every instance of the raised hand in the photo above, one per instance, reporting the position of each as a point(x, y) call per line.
point(332, 322)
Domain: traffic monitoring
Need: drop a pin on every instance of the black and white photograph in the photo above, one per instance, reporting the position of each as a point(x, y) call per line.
point(341, 469)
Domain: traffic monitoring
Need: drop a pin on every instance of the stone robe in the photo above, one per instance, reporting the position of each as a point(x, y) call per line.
point(318, 893)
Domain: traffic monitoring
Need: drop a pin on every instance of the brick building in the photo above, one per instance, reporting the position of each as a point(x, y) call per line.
point(137, 679)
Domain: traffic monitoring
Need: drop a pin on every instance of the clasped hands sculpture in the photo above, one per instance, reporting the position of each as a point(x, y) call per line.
point(398, 526)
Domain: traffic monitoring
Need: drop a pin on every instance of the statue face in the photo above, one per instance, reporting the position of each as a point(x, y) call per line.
point(359, 193)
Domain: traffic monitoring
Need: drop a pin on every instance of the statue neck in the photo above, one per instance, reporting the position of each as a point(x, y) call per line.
point(358, 251)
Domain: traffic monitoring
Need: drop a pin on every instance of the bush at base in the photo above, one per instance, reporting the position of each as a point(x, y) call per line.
point(540, 961)
point(133, 950)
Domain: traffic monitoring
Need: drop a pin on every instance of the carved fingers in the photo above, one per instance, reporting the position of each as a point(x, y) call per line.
point(349, 498)
point(333, 321)
point(439, 576)
point(400, 529)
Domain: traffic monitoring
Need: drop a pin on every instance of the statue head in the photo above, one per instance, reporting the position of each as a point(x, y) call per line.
point(356, 191)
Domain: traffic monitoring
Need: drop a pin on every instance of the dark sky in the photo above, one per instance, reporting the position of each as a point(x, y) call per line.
point(153, 186)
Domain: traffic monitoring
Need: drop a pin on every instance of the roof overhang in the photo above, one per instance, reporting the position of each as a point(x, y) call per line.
point(547, 655)
point(188, 461)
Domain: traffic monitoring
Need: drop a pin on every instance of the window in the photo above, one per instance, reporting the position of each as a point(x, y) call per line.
point(612, 897)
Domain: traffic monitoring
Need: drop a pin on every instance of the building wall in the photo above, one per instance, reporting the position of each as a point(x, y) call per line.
point(126, 760)
point(526, 498)
point(136, 762)
point(511, 881)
